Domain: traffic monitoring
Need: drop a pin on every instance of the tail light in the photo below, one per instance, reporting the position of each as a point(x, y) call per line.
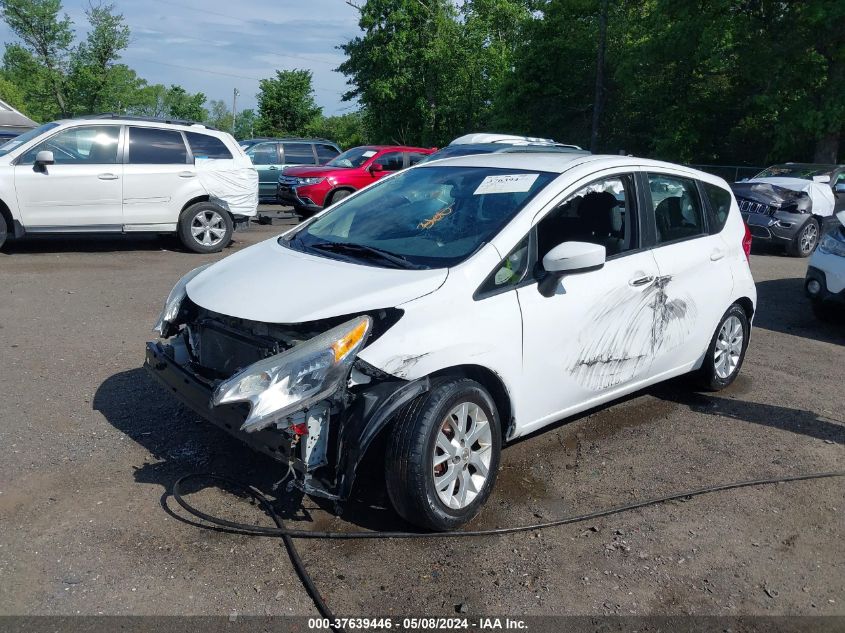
point(746, 242)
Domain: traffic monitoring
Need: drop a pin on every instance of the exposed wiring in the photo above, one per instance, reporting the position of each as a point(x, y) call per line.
point(288, 535)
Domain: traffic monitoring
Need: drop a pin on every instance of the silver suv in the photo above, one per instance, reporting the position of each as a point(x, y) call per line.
point(111, 174)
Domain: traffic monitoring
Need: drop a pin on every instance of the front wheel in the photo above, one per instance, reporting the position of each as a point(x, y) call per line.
point(726, 352)
point(804, 243)
point(443, 455)
point(205, 228)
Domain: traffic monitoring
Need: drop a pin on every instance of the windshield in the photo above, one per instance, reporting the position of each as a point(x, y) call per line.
point(428, 217)
point(354, 157)
point(25, 137)
point(807, 172)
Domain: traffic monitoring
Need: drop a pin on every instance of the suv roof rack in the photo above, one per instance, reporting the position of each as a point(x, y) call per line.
point(149, 119)
point(289, 138)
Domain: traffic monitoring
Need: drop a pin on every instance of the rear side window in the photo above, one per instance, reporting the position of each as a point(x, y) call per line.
point(677, 207)
point(205, 146)
point(150, 146)
point(298, 154)
point(325, 153)
point(263, 154)
point(720, 205)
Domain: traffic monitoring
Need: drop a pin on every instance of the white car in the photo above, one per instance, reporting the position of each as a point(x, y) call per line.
point(125, 175)
point(456, 306)
point(825, 280)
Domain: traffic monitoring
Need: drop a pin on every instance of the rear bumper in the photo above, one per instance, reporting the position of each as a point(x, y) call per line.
point(195, 394)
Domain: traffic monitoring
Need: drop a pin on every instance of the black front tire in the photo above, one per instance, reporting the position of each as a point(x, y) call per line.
point(409, 470)
point(4, 230)
point(219, 241)
point(338, 195)
point(708, 377)
point(806, 240)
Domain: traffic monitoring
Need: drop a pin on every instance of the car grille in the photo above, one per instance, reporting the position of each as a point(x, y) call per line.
point(288, 180)
point(749, 206)
point(223, 351)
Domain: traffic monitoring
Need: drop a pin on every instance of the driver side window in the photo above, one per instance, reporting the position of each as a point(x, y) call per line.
point(602, 212)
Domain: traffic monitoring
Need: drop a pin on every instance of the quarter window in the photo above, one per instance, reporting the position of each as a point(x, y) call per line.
point(151, 146)
point(264, 154)
point(677, 207)
point(298, 154)
point(205, 146)
point(325, 153)
point(720, 205)
point(510, 272)
point(602, 212)
point(89, 144)
point(391, 162)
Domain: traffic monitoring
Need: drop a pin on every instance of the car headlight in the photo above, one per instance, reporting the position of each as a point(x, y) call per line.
point(830, 244)
point(297, 378)
point(174, 302)
point(309, 181)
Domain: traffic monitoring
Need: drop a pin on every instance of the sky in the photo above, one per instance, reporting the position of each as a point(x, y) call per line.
point(215, 46)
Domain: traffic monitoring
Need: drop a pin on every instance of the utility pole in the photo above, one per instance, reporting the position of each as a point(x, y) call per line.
point(235, 94)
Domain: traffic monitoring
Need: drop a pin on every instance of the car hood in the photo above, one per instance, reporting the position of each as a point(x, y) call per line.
point(312, 172)
point(271, 283)
point(820, 194)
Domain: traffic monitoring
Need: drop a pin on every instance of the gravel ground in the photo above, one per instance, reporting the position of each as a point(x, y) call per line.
point(91, 448)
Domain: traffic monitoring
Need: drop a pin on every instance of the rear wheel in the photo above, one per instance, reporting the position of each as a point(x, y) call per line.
point(443, 455)
point(804, 243)
point(205, 228)
point(726, 352)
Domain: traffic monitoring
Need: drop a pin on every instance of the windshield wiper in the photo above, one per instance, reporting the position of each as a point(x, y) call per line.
point(362, 249)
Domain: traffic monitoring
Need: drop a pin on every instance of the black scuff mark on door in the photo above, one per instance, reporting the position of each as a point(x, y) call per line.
point(627, 332)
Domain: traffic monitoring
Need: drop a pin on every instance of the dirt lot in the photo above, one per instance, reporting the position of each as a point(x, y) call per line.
point(91, 448)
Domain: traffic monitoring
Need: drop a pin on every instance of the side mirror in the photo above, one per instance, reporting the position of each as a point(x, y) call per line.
point(376, 168)
point(840, 187)
point(567, 259)
point(44, 157)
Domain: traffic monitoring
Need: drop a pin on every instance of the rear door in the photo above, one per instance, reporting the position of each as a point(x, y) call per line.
point(265, 157)
point(296, 154)
point(695, 284)
point(159, 178)
point(82, 190)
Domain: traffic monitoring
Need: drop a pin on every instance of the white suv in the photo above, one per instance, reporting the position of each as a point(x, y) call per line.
point(123, 175)
point(458, 305)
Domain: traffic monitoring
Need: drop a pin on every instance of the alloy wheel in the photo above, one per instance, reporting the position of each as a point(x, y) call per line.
point(208, 228)
point(728, 347)
point(462, 455)
point(808, 238)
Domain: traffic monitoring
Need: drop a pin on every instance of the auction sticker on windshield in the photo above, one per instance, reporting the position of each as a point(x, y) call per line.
point(508, 183)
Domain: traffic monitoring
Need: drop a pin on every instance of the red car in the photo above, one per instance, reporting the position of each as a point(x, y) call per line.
point(309, 189)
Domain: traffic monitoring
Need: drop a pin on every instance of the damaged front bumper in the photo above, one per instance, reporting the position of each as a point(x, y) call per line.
point(780, 227)
point(331, 442)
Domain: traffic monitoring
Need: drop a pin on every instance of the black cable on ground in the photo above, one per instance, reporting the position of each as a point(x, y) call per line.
point(287, 535)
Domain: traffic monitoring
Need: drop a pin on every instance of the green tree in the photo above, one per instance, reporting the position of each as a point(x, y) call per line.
point(181, 104)
point(347, 130)
point(47, 36)
point(219, 115)
point(286, 103)
point(100, 84)
point(245, 124)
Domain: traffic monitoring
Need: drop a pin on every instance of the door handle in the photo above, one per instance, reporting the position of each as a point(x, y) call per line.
point(641, 281)
point(273, 168)
point(716, 255)
point(187, 174)
point(107, 176)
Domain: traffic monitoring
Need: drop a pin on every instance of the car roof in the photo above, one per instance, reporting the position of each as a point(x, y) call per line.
point(559, 162)
point(403, 148)
point(186, 126)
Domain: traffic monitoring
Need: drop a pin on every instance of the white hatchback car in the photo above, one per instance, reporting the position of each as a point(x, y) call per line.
point(455, 306)
point(126, 175)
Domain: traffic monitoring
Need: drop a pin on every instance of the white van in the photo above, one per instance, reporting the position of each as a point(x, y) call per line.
point(111, 174)
point(458, 305)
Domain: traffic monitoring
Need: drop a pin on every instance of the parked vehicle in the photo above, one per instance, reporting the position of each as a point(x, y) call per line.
point(271, 155)
point(111, 174)
point(523, 145)
point(309, 189)
point(792, 204)
point(825, 280)
point(455, 306)
point(480, 138)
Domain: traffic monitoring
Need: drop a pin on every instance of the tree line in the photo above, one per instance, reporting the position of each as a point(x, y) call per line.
point(704, 81)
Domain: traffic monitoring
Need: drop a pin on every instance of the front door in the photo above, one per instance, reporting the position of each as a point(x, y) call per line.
point(265, 157)
point(595, 336)
point(82, 190)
